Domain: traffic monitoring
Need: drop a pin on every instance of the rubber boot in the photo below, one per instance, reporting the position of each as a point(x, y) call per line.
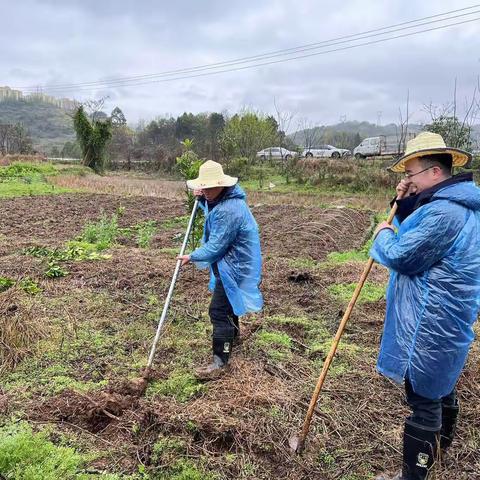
point(222, 349)
point(419, 451)
point(449, 425)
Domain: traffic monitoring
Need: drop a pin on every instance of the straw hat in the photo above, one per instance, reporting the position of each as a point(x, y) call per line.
point(211, 175)
point(428, 143)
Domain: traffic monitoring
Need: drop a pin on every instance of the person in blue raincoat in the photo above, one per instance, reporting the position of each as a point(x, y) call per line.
point(231, 249)
point(433, 296)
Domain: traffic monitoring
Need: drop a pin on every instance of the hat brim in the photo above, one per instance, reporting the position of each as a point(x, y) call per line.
point(459, 157)
point(225, 181)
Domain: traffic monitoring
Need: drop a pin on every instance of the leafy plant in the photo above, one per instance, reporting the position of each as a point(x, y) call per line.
point(103, 233)
point(29, 286)
point(54, 270)
point(145, 232)
point(6, 283)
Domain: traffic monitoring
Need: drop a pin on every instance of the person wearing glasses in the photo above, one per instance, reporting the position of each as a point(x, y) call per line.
point(433, 296)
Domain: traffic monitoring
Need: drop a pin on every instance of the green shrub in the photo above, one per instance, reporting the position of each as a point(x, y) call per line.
point(27, 170)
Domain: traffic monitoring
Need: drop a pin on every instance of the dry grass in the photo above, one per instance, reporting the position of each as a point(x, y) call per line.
point(8, 159)
point(20, 328)
point(121, 185)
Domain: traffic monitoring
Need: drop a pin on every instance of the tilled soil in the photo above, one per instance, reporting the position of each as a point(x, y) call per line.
point(240, 424)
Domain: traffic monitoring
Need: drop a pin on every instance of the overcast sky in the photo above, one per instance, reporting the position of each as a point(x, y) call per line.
point(69, 42)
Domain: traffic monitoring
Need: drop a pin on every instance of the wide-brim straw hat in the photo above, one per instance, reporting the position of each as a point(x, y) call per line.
point(428, 143)
point(211, 175)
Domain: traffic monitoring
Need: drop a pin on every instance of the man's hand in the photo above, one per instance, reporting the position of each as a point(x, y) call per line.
point(382, 226)
point(198, 193)
point(405, 188)
point(184, 258)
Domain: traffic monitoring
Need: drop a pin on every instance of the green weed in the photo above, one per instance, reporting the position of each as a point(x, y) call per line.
point(54, 270)
point(6, 283)
point(29, 286)
point(103, 233)
point(145, 232)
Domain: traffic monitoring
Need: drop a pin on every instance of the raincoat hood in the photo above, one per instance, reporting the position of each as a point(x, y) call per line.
point(466, 194)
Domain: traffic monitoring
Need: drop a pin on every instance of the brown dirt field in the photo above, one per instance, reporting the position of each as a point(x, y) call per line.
point(239, 425)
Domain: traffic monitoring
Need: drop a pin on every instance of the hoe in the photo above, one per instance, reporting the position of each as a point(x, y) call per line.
point(140, 384)
point(297, 443)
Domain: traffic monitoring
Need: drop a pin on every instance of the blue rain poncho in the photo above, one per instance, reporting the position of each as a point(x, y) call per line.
point(433, 296)
point(231, 240)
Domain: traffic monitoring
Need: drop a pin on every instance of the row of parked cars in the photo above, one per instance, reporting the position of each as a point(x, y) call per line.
point(276, 153)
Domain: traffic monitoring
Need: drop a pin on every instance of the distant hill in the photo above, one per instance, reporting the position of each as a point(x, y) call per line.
point(364, 129)
point(47, 124)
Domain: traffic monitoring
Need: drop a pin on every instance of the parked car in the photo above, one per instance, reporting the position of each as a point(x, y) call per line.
point(276, 153)
point(326, 151)
point(382, 145)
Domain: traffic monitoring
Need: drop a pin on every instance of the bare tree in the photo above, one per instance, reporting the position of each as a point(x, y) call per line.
point(402, 128)
point(453, 124)
point(310, 133)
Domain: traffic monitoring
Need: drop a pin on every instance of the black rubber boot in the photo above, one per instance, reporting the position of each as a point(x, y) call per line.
point(449, 425)
point(419, 451)
point(222, 348)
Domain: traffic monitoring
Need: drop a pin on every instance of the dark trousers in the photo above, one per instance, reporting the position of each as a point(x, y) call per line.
point(224, 321)
point(427, 413)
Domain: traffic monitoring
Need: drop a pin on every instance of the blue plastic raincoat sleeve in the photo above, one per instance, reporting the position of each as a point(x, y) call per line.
point(421, 245)
point(224, 230)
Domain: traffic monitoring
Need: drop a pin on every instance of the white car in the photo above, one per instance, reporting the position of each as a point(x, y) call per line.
point(326, 151)
point(277, 153)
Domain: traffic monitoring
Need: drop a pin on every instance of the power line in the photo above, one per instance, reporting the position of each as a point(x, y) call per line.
point(156, 78)
point(298, 49)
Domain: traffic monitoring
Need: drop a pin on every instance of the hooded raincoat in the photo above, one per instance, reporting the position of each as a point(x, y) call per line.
point(231, 240)
point(433, 296)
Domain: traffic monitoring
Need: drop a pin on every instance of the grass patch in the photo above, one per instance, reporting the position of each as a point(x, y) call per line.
point(28, 455)
point(371, 292)
point(171, 251)
point(21, 178)
point(277, 345)
point(180, 385)
point(175, 222)
point(302, 263)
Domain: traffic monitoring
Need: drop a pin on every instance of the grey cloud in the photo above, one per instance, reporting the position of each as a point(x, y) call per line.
point(53, 41)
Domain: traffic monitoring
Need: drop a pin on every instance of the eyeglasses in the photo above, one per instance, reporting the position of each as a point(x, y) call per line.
point(410, 175)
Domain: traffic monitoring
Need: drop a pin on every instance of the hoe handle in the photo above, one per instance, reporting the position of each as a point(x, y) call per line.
point(172, 285)
point(336, 341)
